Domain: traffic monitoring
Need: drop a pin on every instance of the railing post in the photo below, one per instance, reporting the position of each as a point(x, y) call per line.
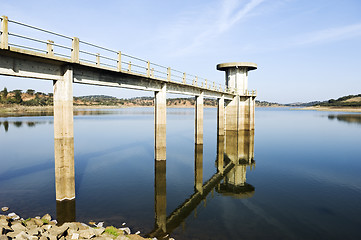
point(184, 78)
point(49, 48)
point(205, 83)
point(4, 33)
point(196, 81)
point(148, 69)
point(119, 61)
point(168, 74)
point(214, 86)
point(129, 66)
point(98, 59)
point(75, 50)
point(220, 87)
point(152, 73)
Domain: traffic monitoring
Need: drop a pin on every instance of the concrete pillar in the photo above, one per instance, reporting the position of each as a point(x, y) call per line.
point(231, 114)
point(198, 168)
point(220, 153)
point(64, 136)
point(160, 195)
point(65, 211)
point(220, 116)
point(244, 114)
point(160, 122)
point(199, 119)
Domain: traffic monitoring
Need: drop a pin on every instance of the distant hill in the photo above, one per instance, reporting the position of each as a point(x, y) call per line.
point(346, 101)
point(33, 98)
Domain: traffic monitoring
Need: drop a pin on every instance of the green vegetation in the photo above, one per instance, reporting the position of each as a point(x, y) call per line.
point(113, 231)
point(346, 101)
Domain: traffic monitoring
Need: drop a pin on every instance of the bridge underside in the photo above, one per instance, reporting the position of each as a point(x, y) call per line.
point(27, 64)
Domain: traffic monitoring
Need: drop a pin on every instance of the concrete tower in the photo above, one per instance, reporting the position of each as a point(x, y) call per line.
point(237, 75)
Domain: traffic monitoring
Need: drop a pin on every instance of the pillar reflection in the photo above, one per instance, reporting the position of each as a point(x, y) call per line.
point(198, 168)
point(160, 195)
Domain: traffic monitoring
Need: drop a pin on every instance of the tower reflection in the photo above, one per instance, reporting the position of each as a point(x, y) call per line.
point(235, 152)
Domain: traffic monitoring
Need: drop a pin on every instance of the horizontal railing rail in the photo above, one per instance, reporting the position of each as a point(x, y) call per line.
point(22, 36)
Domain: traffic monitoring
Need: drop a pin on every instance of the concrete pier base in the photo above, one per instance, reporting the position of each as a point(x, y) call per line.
point(64, 136)
point(198, 168)
point(199, 119)
point(65, 211)
point(160, 122)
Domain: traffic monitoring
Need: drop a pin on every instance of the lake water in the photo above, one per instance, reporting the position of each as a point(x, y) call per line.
point(304, 182)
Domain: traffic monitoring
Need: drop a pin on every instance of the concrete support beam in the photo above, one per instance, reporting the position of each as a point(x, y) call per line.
point(252, 109)
point(220, 116)
point(4, 33)
point(199, 119)
point(198, 168)
point(64, 136)
point(244, 114)
point(160, 122)
point(160, 195)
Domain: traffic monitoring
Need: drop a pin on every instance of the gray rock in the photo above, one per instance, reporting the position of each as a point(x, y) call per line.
point(126, 229)
point(38, 222)
point(46, 218)
point(4, 222)
point(88, 233)
point(11, 214)
point(18, 227)
point(100, 224)
point(98, 231)
point(33, 231)
point(23, 236)
point(58, 231)
point(75, 236)
point(122, 237)
point(4, 209)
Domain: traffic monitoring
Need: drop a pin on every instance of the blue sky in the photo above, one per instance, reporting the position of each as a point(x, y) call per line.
point(305, 50)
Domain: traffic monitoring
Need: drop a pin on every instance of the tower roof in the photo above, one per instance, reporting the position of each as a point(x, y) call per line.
point(225, 66)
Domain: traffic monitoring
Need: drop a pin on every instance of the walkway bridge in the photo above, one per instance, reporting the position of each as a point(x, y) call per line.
point(26, 51)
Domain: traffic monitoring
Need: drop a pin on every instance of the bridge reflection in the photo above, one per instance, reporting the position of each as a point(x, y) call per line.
point(235, 152)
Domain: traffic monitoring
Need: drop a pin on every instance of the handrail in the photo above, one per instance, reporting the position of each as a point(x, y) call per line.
point(40, 29)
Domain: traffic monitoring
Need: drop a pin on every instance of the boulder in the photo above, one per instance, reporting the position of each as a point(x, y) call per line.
point(58, 231)
point(46, 218)
point(88, 233)
point(18, 227)
point(4, 209)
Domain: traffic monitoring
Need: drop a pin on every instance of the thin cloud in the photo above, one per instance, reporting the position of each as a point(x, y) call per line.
point(193, 30)
point(331, 34)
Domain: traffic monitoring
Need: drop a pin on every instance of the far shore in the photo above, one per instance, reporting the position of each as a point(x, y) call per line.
point(330, 109)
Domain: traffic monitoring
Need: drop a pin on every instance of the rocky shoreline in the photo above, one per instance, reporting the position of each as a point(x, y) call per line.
point(12, 226)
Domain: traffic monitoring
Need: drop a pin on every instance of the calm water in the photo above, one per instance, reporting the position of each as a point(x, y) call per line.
point(305, 182)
